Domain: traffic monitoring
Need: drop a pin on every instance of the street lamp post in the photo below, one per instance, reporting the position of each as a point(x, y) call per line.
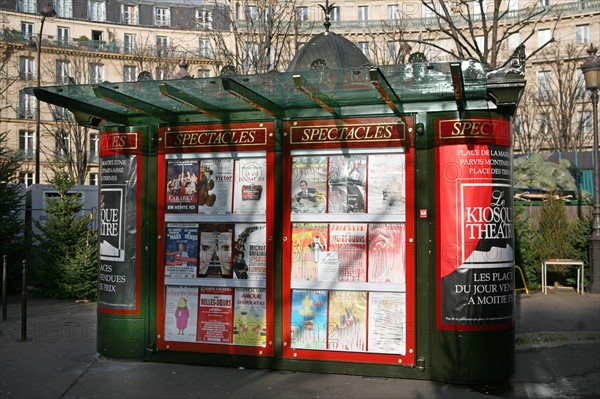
point(47, 11)
point(591, 73)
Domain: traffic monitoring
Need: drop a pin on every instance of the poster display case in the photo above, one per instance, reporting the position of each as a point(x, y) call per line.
point(348, 236)
point(214, 248)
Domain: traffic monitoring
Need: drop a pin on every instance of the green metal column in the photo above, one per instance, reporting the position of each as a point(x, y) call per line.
point(127, 275)
point(472, 284)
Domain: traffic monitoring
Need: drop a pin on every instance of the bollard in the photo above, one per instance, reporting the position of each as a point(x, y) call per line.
point(4, 287)
point(24, 304)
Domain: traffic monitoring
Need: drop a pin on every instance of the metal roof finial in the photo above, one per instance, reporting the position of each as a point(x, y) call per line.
point(327, 10)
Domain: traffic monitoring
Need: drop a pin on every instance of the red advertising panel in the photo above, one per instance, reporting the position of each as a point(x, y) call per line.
point(215, 232)
point(120, 171)
point(475, 224)
point(348, 241)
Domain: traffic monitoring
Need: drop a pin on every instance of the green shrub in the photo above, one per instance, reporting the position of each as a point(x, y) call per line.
point(67, 247)
point(12, 238)
point(552, 235)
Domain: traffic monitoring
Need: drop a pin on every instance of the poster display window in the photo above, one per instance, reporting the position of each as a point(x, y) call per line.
point(348, 284)
point(214, 281)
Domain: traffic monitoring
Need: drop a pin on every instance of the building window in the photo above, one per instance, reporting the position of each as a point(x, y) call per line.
point(584, 122)
point(62, 71)
point(580, 83)
point(97, 10)
point(364, 47)
point(393, 11)
point(129, 14)
point(26, 106)
point(514, 40)
point(27, 30)
point(63, 8)
point(204, 49)
point(94, 179)
point(545, 3)
point(251, 13)
point(62, 145)
point(544, 123)
point(204, 19)
point(162, 46)
point(96, 73)
point(162, 16)
point(26, 68)
point(129, 73)
point(543, 36)
point(479, 8)
point(129, 43)
point(335, 14)
point(427, 12)
point(302, 14)
point(363, 13)
point(26, 178)
point(27, 6)
point(392, 50)
point(513, 5)
point(63, 34)
point(161, 73)
point(545, 84)
point(60, 113)
point(203, 73)
point(582, 33)
point(26, 144)
point(480, 42)
point(94, 147)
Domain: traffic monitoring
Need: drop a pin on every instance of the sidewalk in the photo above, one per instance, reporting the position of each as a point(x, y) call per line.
point(558, 356)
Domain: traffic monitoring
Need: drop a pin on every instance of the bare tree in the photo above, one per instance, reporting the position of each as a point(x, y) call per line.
point(530, 134)
point(159, 59)
point(263, 34)
point(554, 105)
point(68, 147)
point(479, 29)
point(66, 144)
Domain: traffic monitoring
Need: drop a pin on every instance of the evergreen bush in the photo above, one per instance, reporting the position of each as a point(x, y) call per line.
point(67, 247)
point(12, 237)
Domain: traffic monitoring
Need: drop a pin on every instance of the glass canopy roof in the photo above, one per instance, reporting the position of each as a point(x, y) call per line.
point(323, 93)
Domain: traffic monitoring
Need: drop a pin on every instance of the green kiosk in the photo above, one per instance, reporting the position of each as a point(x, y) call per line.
point(337, 217)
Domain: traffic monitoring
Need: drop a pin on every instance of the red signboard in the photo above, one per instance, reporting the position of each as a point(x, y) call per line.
point(372, 132)
point(481, 129)
point(214, 137)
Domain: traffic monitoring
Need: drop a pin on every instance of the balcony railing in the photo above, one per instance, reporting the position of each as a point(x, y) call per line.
point(305, 27)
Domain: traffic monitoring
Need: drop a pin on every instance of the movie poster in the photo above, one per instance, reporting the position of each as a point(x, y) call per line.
point(181, 313)
point(216, 251)
point(181, 250)
point(309, 319)
point(309, 244)
point(250, 251)
point(250, 186)
point(250, 317)
point(387, 256)
point(347, 321)
point(309, 184)
point(215, 187)
point(387, 184)
point(215, 315)
point(182, 186)
point(347, 184)
point(387, 323)
point(349, 241)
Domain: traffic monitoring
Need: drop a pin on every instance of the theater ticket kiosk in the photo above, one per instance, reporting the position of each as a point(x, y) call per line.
point(353, 220)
